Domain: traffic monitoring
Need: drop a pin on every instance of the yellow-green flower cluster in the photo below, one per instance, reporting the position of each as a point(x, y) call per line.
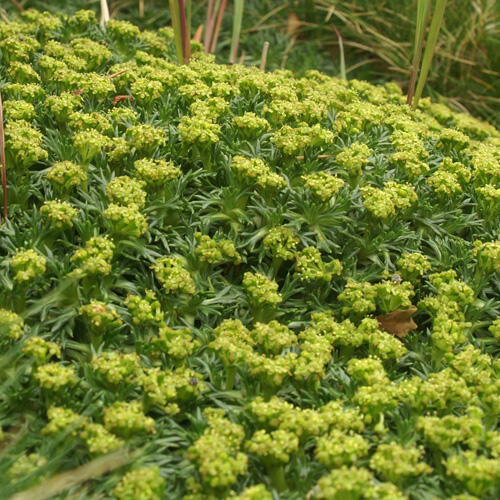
point(261, 290)
point(494, 328)
point(125, 220)
point(55, 376)
point(89, 143)
point(281, 242)
point(11, 324)
point(27, 264)
point(251, 125)
point(295, 140)
point(115, 367)
point(24, 143)
point(94, 258)
point(451, 297)
point(23, 73)
point(198, 130)
point(146, 138)
point(212, 108)
point(145, 483)
point(66, 175)
point(273, 447)
point(413, 265)
point(215, 251)
point(145, 310)
point(410, 155)
point(90, 121)
point(364, 298)
point(94, 53)
point(383, 203)
point(63, 105)
point(345, 482)
point(100, 441)
point(26, 465)
point(156, 173)
point(484, 162)
point(488, 256)
point(310, 266)
point(395, 462)
point(100, 315)
point(338, 448)
point(177, 343)
point(323, 185)
point(273, 337)
point(60, 213)
point(172, 274)
point(452, 139)
point(62, 418)
point(146, 91)
point(353, 158)
point(19, 48)
point(217, 452)
point(165, 389)
point(478, 473)
point(127, 419)
point(444, 432)
point(30, 92)
point(254, 170)
point(18, 110)
point(41, 350)
point(82, 19)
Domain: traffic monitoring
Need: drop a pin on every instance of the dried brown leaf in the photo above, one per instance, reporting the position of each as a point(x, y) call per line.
point(399, 322)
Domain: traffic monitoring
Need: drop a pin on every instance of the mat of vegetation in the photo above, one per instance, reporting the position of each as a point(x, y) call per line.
point(377, 37)
point(257, 285)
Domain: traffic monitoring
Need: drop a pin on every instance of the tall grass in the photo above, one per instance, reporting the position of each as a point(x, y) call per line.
point(430, 46)
point(237, 21)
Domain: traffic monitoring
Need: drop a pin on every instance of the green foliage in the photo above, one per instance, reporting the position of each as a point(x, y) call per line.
point(196, 275)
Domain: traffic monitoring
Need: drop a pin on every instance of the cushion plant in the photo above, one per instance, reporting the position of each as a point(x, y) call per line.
point(216, 269)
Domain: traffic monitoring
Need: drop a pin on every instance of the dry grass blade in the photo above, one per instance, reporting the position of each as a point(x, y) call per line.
point(69, 479)
point(17, 5)
point(198, 33)
point(104, 13)
point(263, 57)
point(141, 8)
point(2, 160)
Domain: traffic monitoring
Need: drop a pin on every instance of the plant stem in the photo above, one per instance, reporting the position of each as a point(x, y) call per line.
point(277, 477)
point(230, 377)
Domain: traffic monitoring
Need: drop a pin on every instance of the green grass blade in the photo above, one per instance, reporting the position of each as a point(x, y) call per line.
point(420, 27)
point(437, 19)
point(237, 20)
point(176, 25)
point(343, 73)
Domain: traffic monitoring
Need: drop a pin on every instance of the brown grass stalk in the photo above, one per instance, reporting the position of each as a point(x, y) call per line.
point(215, 36)
point(66, 480)
point(2, 161)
